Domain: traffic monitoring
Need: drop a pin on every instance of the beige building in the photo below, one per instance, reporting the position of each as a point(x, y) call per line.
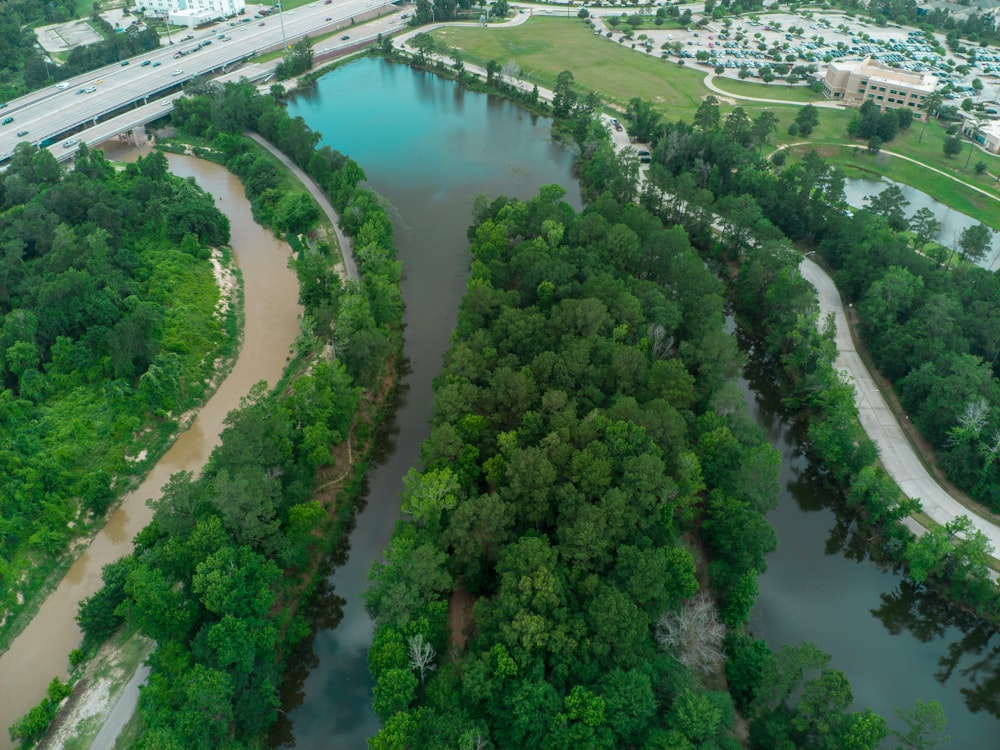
point(985, 133)
point(869, 80)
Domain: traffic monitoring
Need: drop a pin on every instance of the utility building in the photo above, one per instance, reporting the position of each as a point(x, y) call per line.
point(858, 81)
point(193, 12)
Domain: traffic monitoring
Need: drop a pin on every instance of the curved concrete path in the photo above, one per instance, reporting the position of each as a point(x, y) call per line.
point(895, 451)
point(710, 84)
point(346, 247)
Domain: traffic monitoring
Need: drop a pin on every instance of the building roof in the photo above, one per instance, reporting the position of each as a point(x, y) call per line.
point(877, 71)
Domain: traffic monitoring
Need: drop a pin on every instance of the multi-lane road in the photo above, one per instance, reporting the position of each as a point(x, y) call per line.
point(53, 115)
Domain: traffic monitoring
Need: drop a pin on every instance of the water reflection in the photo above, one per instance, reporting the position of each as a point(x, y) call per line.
point(896, 641)
point(857, 189)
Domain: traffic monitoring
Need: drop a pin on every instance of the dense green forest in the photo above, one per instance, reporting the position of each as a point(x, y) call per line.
point(109, 326)
point(932, 327)
point(594, 484)
point(501, 680)
point(221, 577)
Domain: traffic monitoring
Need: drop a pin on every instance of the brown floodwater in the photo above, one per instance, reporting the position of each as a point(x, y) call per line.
point(271, 325)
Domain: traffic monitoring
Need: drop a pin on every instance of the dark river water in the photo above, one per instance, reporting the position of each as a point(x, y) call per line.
point(429, 147)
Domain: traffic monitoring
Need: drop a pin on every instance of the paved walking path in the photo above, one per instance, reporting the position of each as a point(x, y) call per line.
point(710, 84)
point(122, 711)
point(346, 247)
point(897, 454)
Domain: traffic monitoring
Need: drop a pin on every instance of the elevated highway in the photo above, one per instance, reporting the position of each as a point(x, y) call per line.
point(102, 103)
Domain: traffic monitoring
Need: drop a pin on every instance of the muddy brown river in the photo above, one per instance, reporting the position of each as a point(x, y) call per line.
point(271, 325)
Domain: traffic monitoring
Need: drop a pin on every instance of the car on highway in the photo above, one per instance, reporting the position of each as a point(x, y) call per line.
point(70, 143)
point(90, 89)
point(145, 63)
point(157, 64)
point(177, 72)
point(345, 37)
point(124, 63)
point(62, 86)
point(7, 121)
point(21, 133)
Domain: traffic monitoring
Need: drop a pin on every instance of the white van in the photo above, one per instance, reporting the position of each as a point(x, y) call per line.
point(62, 86)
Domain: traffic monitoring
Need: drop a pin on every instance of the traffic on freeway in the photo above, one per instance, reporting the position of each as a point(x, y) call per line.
point(46, 115)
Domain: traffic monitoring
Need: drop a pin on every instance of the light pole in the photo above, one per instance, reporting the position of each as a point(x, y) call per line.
point(281, 20)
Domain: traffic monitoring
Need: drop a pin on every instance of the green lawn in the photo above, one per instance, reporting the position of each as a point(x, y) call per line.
point(796, 94)
point(544, 47)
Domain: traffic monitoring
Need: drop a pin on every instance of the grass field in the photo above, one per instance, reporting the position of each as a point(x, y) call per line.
point(784, 92)
point(544, 47)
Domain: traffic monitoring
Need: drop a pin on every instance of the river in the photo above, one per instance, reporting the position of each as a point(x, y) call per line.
point(896, 643)
point(430, 147)
point(856, 189)
point(271, 325)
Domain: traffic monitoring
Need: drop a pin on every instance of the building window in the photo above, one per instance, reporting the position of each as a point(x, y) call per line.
point(879, 98)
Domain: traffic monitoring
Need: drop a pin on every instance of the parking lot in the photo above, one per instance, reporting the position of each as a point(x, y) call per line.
point(782, 43)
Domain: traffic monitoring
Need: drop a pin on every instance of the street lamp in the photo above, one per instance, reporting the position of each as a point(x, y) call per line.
point(281, 20)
